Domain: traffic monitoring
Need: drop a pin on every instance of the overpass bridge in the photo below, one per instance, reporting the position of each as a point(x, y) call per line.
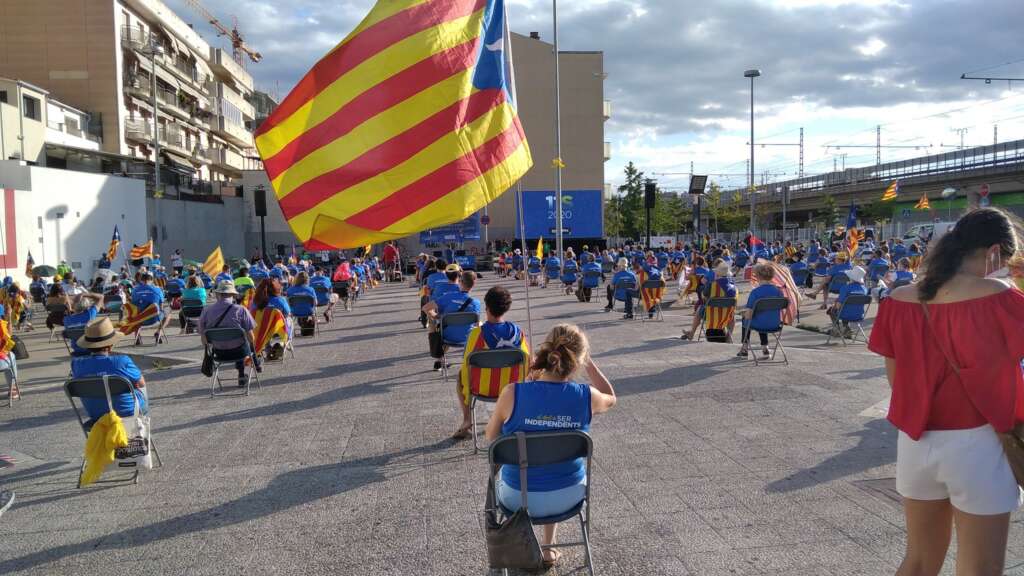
point(1000, 166)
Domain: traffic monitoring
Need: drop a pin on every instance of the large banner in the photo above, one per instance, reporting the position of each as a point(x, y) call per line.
point(582, 214)
point(468, 229)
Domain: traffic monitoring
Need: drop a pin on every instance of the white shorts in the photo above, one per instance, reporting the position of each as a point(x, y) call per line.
point(968, 467)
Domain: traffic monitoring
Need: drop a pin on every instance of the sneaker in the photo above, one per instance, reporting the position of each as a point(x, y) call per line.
point(6, 500)
point(437, 366)
point(765, 352)
point(607, 308)
point(242, 381)
point(742, 353)
point(627, 316)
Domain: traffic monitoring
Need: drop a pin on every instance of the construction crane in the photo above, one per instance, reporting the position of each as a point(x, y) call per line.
point(238, 46)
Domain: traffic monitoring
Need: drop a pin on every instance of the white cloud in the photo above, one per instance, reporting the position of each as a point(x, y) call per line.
point(873, 47)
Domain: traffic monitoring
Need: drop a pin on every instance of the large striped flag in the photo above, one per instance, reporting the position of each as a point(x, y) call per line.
point(115, 243)
point(144, 251)
point(408, 124)
point(214, 263)
point(923, 203)
point(892, 191)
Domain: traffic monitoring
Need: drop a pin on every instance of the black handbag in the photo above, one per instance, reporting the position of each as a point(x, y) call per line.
point(207, 366)
point(512, 543)
point(20, 351)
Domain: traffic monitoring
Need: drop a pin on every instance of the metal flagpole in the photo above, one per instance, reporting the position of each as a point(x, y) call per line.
point(526, 256)
point(558, 140)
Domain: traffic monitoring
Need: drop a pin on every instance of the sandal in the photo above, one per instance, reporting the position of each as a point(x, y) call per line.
point(461, 434)
point(556, 555)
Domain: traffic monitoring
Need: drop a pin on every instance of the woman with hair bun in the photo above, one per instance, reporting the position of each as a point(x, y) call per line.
point(953, 346)
point(550, 401)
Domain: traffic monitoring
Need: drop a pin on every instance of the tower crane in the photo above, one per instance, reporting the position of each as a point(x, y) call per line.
point(238, 45)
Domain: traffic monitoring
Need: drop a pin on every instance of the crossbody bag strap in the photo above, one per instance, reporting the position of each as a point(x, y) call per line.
point(935, 336)
point(106, 388)
point(524, 463)
point(224, 315)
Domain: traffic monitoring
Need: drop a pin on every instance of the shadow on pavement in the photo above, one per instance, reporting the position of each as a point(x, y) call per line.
point(877, 447)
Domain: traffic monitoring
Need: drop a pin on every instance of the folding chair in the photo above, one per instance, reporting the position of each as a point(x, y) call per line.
point(95, 387)
point(876, 273)
point(628, 285)
point(526, 450)
point(652, 291)
point(12, 388)
point(724, 308)
point(607, 267)
point(497, 359)
point(304, 307)
point(223, 356)
point(191, 310)
point(55, 309)
point(451, 320)
point(551, 273)
point(38, 294)
point(769, 305)
point(72, 334)
point(173, 291)
point(837, 322)
point(800, 277)
point(591, 280)
point(323, 296)
point(112, 304)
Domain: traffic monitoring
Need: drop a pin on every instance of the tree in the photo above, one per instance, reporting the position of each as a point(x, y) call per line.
point(669, 215)
point(830, 214)
point(876, 211)
point(711, 204)
point(613, 217)
point(632, 203)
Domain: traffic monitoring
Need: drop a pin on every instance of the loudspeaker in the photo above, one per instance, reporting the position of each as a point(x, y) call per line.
point(650, 192)
point(260, 200)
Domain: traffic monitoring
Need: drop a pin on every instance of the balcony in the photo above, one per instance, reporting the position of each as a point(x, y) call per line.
point(222, 64)
point(607, 109)
point(225, 159)
point(222, 91)
point(135, 38)
point(607, 151)
point(233, 132)
point(138, 130)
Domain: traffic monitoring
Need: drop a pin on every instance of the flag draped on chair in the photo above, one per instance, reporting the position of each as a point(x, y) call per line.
point(115, 243)
point(214, 263)
point(269, 321)
point(490, 381)
point(651, 297)
point(718, 318)
point(408, 124)
point(923, 203)
point(135, 318)
point(892, 191)
point(853, 235)
point(144, 251)
point(29, 264)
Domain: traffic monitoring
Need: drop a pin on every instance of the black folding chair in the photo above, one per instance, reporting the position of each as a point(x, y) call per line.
point(652, 284)
point(768, 305)
point(96, 387)
point(58, 311)
point(837, 322)
point(629, 286)
point(301, 301)
point(495, 360)
point(72, 334)
point(722, 303)
point(838, 281)
point(191, 310)
point(223, 356)
point(451, 320)
point(527, 450)
point(800, 277)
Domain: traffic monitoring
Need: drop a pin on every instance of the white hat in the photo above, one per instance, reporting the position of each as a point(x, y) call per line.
point(856, 274)
point(226, 287)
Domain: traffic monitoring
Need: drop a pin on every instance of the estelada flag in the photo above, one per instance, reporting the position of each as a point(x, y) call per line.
point(29, 264)
point(892, 191)
point(214, 263)
point(144, 251)
point(408, 124)
point(115, 243)
point(923, 203)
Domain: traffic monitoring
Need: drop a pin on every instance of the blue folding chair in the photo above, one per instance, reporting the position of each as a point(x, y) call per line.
point(304, 308)
point(768, 305)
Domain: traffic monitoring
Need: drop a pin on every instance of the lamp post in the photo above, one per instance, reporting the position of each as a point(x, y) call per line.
point(754, 73)
point(558, 137)
point(153, 50)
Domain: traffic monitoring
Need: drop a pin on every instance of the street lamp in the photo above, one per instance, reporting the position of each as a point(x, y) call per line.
point(754, 73)
point(153, 49)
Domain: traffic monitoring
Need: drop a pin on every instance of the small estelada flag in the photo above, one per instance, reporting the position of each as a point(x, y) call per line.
point(892, 191)
point(29, 264)
point(115, 243)
point(144, 251)
point(923, 203)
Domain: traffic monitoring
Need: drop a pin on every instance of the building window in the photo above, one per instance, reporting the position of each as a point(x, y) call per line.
point(3, 96)
point(30, 107)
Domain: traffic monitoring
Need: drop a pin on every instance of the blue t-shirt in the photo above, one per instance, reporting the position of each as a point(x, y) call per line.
point(112, 365)
point(899, 251)
point(197, 293)
point(877, 267)
point(851, 313)
point(904, 275)
point(795, 266)
point(548, 407)
point(620, 294)
point(595, 278)
point(534, 265)
point(442, 288)
point(224, 276)
point(553, 266)
point(452, 302)
point(569, 271)
point(501, 335)
point(764, 320)
point(80, 319)
point(304, 290)
point(175, 285)
point(145, 294)
point(434, 278)
point(837, 268)
point(281, 303)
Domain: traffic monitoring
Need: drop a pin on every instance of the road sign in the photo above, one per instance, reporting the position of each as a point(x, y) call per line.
point(485, 219)
point(985, 201)
point(983, 191)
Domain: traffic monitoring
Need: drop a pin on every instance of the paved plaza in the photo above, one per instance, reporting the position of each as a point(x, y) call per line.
point(342, 463)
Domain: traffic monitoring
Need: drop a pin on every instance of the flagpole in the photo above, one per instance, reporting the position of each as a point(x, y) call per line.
point(558, 140)
point(526, 257)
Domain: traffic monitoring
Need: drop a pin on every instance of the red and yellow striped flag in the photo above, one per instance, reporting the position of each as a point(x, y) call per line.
point(923, 203)
point(144, 251)
point(408, 124)
point(892, 191)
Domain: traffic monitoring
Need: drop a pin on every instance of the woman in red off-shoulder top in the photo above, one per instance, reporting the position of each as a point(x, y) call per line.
point(953, 346)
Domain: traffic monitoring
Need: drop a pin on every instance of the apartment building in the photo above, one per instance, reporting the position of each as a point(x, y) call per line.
point(41, 130)
point(106, 57)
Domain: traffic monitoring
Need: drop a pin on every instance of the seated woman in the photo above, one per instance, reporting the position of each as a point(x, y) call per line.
point(307, 315)
point(721, 287)
point(268, 295)
point(849, 313)
point(551, 396)
point(570, 273)
point(764, 322)
point(99, 339)
point(622, 274)
point(194, 290)
point(841, 265)
point(57, 297)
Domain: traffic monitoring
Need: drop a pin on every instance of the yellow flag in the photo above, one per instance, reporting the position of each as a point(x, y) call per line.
point(540, 248)
point(557, 163)
point(214, 263)
point(366, 251)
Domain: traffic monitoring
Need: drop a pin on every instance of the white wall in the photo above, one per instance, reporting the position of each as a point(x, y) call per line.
point(91, 204)
point(197, 227)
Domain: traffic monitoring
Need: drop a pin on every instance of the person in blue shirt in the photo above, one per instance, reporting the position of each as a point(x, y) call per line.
point(847, 314)
point(899, 250)
point(194, 291)
point(104, 263)
point(174, 287)
point(552, 267)
point(615, 292)
point(146, 294)
point(457, 301)
point(449, 284)
point(99, 339)
point(590, 278)
point(86, 309)
point(764, 322)
point(533, 270)
point(798, 265)
point(841, 265)
point(570, 274)
point(305, 313)
point(225, 274)
point(554, 401)
point(438, 275)
point(878, 267)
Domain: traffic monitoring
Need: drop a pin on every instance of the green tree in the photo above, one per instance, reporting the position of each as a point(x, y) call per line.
point(830, 214)
point(876, 211)
point(711, 205)
point(631, 207)
point(669, 215)
point(613, 216)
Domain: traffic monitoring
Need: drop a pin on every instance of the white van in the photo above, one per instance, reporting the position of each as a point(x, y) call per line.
point(925, 233)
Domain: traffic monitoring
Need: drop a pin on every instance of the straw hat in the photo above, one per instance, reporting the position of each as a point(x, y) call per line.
point(226, 287)
point(99, 333)
point(453, 268)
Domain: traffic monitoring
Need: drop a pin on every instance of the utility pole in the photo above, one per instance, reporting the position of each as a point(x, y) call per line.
point(878, 145)
point(558, 137)
point(801, 152)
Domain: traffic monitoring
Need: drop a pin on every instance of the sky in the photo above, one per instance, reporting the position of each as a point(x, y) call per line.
point(836, 68)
